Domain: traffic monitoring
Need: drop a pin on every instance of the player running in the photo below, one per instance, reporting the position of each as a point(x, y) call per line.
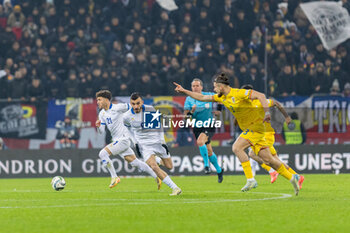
point(150, 141)
point(239, 102)
point(270, 138)
point(203, 111)
point(111, 116)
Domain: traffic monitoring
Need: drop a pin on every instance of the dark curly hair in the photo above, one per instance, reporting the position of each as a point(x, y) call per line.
point(222, 78)
point(105, 94)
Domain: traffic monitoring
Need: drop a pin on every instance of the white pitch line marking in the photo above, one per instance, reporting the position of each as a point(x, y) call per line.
point(145, 202)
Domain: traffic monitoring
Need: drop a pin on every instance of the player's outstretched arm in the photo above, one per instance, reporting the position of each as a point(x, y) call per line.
point(194, 95)
point(262, 98)
point(283, 111)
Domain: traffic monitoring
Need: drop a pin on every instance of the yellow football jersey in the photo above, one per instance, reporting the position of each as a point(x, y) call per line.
point(270, 132)
point(241, 106)
point(257, 104)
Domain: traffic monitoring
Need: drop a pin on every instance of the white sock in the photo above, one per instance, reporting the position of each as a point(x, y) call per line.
point(251, 179)
point(271, 170)
point(142, 166)
point(254, 165)
point(158, 160)
point(107, 162)
point(169, 182)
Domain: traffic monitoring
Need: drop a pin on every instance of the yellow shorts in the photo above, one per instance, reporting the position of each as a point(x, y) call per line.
point(256, 140)
point(270, 139)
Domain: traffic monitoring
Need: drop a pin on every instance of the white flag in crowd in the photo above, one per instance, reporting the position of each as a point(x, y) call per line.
point(169, 5)
point(331, 21)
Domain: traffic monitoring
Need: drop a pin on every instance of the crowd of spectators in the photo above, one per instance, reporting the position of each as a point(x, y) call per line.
point(72, 48)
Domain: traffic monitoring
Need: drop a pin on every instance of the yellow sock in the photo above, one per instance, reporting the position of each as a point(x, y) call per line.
point(292, 171)
point(247, 170)
point(284, 172)
point(266, 167)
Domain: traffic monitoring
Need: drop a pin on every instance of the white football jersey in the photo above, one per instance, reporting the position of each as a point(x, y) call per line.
point(113, 120)
point(142, 136)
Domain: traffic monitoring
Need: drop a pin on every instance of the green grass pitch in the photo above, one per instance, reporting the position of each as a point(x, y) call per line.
point(135, 205)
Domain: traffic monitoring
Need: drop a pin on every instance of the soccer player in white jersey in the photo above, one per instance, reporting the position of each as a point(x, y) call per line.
point(150, 141)
point(111, 116)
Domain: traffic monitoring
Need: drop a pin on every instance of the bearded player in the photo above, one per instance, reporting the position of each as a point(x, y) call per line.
point(239, 102)
point(270, 138)
point(150, 142)
point(111, 116)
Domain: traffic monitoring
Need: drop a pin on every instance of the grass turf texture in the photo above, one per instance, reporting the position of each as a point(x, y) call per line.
point(88, 205)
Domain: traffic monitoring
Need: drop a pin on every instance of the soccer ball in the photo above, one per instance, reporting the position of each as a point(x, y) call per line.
point(58, 183)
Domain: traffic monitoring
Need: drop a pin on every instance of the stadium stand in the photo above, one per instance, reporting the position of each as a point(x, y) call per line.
point(73, 48)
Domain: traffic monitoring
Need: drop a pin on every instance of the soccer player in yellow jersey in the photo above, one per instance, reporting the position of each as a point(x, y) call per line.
point(239, 102)
point(270, 138)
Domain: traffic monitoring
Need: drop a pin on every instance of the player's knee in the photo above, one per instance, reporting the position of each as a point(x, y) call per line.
point(271, 161)
point(201, 142)
point(268, 163)
point(152, 164)
point(236, 149)
point(169, 166)
point(251, 153)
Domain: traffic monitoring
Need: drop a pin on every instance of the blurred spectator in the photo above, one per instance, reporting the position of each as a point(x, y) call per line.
point(302, 54)
point(184, 137)
point(140, 66)
point(286, 81)
point(242, 75)
point(54, 87)
point(335, 89)
point(16, 87)
point(339, 74)
point(204, 25)
point(125, 82)
point(228, 32)
point(320, 53)
point(174, 74)
point(16, 19)
point(87, 87)
point(3, 17)
point(244, 27)
point(94, 38)
point(2, 145)
point(146, 86)
point(142, 47)
point(71, 86)
point(255, 79)
point(320, 82)
point(190, 73)
point(303, 82)
point(346, 91)
point(67, 134)
point(35, 91)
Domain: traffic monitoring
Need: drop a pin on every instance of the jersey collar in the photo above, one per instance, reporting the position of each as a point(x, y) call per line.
point(110, 106)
